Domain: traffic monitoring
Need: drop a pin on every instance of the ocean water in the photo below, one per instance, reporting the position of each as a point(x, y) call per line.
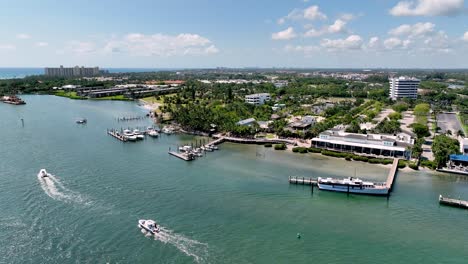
point(9, 73)
point(231, 206)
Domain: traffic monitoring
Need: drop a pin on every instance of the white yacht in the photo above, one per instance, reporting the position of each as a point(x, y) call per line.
point(352, 185)
point(138, 134)
point(129, 135)
point(149, 225)
point(152, 132)
point(43, 173)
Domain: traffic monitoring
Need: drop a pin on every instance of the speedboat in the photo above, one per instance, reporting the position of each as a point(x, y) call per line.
point(43, 173)
point(152, 132)
point(149, 225)
point(82, 121)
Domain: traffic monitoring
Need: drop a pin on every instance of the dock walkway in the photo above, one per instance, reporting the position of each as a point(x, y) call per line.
point(221, 139)
point(182, 156)
point(302, 180)
point(391, 175)
point(453, 202)
point(116, 135)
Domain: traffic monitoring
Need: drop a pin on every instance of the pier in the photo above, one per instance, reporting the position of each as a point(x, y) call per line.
point(391, 175)
point(116, 135)
point(453, 202)
point(302, 180)
point(183, 156)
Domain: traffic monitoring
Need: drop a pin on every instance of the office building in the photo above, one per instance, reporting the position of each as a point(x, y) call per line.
point(72, 71)
point(404, 87)
point(257, 99)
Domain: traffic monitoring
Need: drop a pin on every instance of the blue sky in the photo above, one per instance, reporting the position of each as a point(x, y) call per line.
point(235, 33)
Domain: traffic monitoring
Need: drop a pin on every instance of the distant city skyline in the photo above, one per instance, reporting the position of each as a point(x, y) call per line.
point(236, 34)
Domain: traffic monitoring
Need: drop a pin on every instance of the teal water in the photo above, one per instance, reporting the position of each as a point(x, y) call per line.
point(232, 206)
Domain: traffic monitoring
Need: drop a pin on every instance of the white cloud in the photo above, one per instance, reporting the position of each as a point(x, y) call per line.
point(7, 47)
point(161, 45)
point(465, 36)
point(413, 31)
point(81, 47)
point(284, 35)
point(374, 43)
point(23, 36)
point(353, 42)
point(339, 26)
point(307, 50)
point(42, 44)
point(347, 17)
point(310, 13)
point(396, 43)
point(428, 8)
point(313, 13)
point(439, 42)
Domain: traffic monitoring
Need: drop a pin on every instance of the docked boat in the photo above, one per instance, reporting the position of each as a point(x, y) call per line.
point(152, 132)
point(129, 135)
point(167, 130)
point(13, 99)
point(43, 173)
point(352, 185)
point(138, 134)
point(149, 225)
point(82, 121)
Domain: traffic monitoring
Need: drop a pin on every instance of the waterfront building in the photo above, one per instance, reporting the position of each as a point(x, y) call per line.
point(464, 146)
point(373, 144)
point(76, 71)
point(404, 87)
point(257, 99)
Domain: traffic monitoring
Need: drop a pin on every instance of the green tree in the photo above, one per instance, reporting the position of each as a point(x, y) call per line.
point(442, 147)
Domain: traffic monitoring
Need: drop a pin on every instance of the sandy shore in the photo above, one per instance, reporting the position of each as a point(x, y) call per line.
point(150, 106)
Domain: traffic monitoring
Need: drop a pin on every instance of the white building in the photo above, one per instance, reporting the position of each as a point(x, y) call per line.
point(257, 99)
point(404, 87)
point(373, 144)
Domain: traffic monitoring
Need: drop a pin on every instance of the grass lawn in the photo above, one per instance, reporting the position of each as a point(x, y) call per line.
point(464, 123)
point(71, 95)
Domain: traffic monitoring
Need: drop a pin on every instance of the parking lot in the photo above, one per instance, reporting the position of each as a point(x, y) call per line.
point(448, 121)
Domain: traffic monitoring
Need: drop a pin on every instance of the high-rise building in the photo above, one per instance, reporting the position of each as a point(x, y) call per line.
point(72, 72)
point(404, 87)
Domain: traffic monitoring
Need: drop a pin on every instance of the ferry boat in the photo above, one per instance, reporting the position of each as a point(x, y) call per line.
point(352, 185)
point(13, 99)
point(149, 225)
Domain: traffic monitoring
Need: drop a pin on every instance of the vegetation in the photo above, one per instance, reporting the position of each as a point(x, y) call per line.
point(421, 111)
point(420, 130)
point(442, 147)
point(71, 95)
point(280, 146)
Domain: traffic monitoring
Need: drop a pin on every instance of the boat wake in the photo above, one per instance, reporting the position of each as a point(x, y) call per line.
point(52, 186)
point(189, 247)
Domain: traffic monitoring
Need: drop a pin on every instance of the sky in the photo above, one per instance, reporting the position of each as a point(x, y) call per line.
point(235, 33)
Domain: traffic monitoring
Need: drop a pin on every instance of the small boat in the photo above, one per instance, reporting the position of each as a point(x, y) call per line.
point(167, 130)
point(149, 225)
point(352, 185)
point(207, 148)
point(43, 173)
point(138, 134)
point(152, 132)
point(82, 121)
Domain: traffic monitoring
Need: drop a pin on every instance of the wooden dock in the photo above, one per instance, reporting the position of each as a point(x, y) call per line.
point(391, 175)
point(453, 202)
point(302, 180)
point(116, 135)
point(182, 156)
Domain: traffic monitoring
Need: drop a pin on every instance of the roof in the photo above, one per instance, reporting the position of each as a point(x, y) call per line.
point(459, 157)
point(373, 146)
point(246, 121)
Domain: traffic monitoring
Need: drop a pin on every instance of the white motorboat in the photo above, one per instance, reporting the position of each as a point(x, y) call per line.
point(167, 130)
point(149, 225)
point(152, 132)
point(352, 185)
point(138, 134)
point(185, 149)
point(81, 121)
point(208, 148)
point(129, 135)
point(43, 173)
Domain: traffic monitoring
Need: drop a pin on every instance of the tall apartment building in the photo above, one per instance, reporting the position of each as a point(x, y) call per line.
point(404, 87)
point(257, 99)
point(72, 72)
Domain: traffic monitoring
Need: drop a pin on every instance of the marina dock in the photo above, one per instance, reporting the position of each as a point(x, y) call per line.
point(183, 156)
point(391, 175)
point(302, 180)
point(453, 202)
point(116, 135)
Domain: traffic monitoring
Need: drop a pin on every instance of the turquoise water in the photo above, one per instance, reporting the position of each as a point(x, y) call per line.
point(232, 206)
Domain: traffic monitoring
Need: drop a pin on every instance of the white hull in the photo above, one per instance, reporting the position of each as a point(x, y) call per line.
point(355, 189)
